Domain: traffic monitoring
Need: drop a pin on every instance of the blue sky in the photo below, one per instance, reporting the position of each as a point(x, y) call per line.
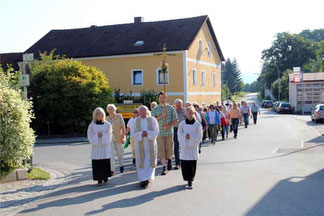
point(243, 28)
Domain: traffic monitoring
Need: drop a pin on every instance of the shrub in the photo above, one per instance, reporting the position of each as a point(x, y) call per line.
point(16, 136)
point(65, 92)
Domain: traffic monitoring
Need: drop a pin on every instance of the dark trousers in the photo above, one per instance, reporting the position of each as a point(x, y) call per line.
point(224, 131)
point(235, 122)
point(176, 146)
point(213, 131)
point(204, 133)
point(101, 169)
point(246, 119)
point(188, 169)
point(255, 117)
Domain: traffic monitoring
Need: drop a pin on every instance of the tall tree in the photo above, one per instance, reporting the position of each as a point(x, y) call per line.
point(288, 51)
point(315, 35)
point(317, 64)
point(231, 75)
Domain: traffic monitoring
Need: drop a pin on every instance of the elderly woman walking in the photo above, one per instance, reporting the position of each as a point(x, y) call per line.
point(118, 138)
point(99, 136)
point(189, 135)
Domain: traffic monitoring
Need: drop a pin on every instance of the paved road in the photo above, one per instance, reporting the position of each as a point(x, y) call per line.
point(274, 168)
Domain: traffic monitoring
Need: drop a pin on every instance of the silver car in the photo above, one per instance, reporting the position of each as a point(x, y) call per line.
point(318, 113)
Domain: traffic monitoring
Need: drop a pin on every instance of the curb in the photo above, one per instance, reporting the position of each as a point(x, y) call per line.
point(60, 142)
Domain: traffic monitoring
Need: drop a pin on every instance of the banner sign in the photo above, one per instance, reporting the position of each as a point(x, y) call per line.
point(126, 110)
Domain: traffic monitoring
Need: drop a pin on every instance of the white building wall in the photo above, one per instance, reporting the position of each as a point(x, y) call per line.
point(293, 95)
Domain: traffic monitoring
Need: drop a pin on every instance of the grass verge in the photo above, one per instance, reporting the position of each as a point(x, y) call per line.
point(38, 174)
point(238, 97)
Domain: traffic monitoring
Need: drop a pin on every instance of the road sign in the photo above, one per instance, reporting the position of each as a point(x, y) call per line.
point(24, 80)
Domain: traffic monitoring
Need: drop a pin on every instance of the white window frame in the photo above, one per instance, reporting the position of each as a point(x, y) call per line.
point(157, 77)
point(203, 78)
point(194, 76)
point(214, 79)
point(209, 50)
point(200, 46)
point(132, 77)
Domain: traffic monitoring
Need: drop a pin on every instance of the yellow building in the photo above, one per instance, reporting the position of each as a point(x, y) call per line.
point(130, 55)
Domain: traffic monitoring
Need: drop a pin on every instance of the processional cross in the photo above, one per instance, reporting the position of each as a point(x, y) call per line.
point(164, 69)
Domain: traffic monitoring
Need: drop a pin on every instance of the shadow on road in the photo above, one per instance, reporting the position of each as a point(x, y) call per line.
point(311, 123)
point(118, 184)
point(138, 200)
point(297, 195)
point(73, 179)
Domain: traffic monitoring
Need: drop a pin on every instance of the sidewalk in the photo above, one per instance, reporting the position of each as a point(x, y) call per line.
point(41, 141)
point(16, 196)
point(319, 127)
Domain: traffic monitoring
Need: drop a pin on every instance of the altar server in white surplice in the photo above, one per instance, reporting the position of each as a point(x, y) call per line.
point(145, 130)
point(189, 135)
point(99, 136)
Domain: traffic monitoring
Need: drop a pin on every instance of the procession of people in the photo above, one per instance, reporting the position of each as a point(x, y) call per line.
point(160, 134)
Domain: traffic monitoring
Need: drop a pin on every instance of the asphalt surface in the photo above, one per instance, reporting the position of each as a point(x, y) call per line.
point(274, 168)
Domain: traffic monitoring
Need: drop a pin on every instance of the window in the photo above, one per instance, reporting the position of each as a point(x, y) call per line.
point(137, 77)
point(200, 47)
point(214, 80)
point(194, 77)
point(160, 77)
point(203, 78)
point(209, 49)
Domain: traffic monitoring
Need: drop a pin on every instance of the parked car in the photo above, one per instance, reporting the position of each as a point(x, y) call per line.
point(268, 104)
point(317, 113)
point(285, 107)
point(275, 105)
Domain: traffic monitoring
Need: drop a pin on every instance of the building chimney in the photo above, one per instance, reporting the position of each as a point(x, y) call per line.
point(138, 19)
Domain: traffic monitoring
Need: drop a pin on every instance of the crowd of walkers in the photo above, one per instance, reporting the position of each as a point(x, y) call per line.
point(160, 133)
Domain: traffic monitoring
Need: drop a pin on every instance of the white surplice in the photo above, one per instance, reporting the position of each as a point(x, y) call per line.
point(100, 145)
point(146, 173)
point(189, 147)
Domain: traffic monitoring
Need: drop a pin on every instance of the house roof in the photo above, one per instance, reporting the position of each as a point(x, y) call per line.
point(310, 77)
point(10, 59)
point(119, 39)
